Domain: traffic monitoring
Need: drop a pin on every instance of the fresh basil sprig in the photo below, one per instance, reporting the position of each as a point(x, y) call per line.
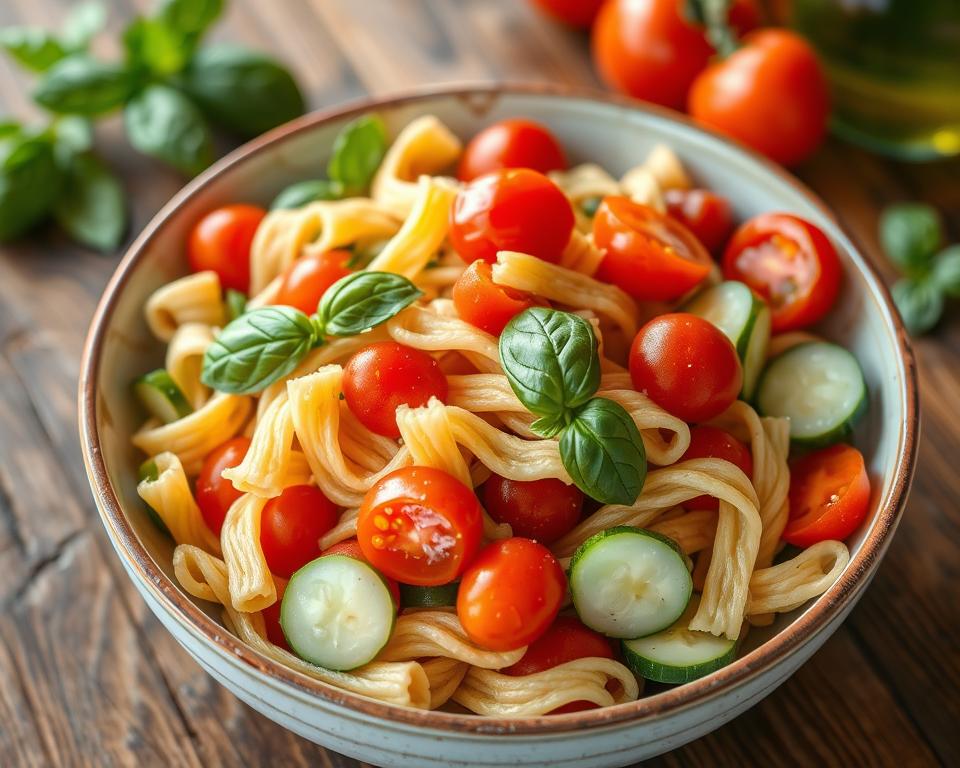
point(363, 300)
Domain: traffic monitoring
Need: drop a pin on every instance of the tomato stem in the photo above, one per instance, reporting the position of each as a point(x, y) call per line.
point(713, 15)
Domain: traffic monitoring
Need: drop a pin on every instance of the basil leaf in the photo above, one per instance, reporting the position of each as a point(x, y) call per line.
point(29, 183)
point(32, 47)
point(153, 46)
point(946, 271)
point(72, 134)
point(81, 86)
point(245, 92)
point(10, 129)
point(92, 208)
point(911, 233)
point(84, 21)
point(236, 303)
point(258, 348)
point(551, 360)
point(357, 152)
point(190, 18)
point(303, 192)
point(163, 123)
point(920, 303)
point(361, 301)
point(603, 453)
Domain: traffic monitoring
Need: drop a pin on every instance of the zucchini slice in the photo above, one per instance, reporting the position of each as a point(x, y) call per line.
point(161, 396)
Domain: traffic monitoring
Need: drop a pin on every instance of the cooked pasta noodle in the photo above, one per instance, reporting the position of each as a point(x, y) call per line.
point(445, 676)
point(429, 328)
point(249, 579)
point(437, 633)
point(265, 467)
point(185, 360)
point(790, 584)
point(171, 498)
point(195, 298)
point(693, 531)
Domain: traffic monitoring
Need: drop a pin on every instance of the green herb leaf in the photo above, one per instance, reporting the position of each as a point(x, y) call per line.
point(589, 205)
point(258, 348)
point(920, 303)
point(190, 17)
point(361, 301)
point(83, 23)
point(236, 302)
point(10, 129)
point(603, 453)
point(92, 208)
point(911, 233)
point(72, 133)
point(155, 47)
point(946, 271)
point(32, 47)
point(303, 192)
point(551, 360)
point(29, 183)
point(81, 86)
point(163, 123)
point(245, 92)
point(357, 152)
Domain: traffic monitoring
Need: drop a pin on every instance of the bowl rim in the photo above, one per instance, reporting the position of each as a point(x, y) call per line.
point(841, 595)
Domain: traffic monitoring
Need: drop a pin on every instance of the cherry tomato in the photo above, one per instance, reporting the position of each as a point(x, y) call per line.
point(351, 548)
point(707, 215)
point(486, 305)
point(771, 94)
point(215, 494)
point(306, 280)
point(744, 16)
point(510, 594)
point(576, 13)
point(291, 525)
point(271, 620)
point(385, 375)
point(221, 241)
point(829, 495)
point(514, 209)
point(536, 509)
point(790, 263)
point(708, 442)
point(686, 366)
point(512, 143)
point(420, 526)
point(650, 255)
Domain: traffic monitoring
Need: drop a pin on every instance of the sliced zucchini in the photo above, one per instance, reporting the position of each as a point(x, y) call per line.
point(819, 386)
point(629, 582)
point(161, 396)
point(149, 471)
point(428, 597)
point(337, 612)
point(678, 654)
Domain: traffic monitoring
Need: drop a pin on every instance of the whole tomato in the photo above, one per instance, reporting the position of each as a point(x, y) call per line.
point(576, 13)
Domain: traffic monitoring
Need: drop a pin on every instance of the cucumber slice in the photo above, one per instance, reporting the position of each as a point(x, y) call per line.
point(161, 396)
point(678, 654)
point(819, 387)
point(337, 612)
point(149, 471)
point(428, 597)
point(629, 582)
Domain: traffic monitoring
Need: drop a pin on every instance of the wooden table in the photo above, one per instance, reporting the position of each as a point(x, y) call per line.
point(88, 676)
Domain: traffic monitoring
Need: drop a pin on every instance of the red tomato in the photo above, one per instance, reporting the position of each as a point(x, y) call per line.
point(650, 255)
point(512, 143)
point(291, 525)
point(647, 49)
point(351, 548)
point(514, 209)
point(510, 594)
point(744, 16)
point(790, 263)
point(486, 305)
point(271, 620)
point(576, 13)
point(686, 366)
point(770, 94)
point(385, 375)
point(214, 493)
point(829, 495)
point(711, 443)
point(537, 509)
point(221, 241)
point(306, 280)
point(420, 526)
point(707, 215)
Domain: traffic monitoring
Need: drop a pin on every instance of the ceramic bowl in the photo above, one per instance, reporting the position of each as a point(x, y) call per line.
point(616, 135)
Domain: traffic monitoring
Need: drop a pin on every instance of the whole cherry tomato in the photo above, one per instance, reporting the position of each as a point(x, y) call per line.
point(271, 620)
point(214, 493)
point(221, 241)
point(291, 525)
point(512, 143)
point(543, 510)
point(704, 213)
point(420, 526)
point(771, 94)
point(304, 282)
point(486, 305)
point(514, 209)
point(385, 375)
point(351, 548)
point(790, 263)
point(650, 255)
point(708, 442)
point(576, 13)
point(510, 594)
point(686, 366)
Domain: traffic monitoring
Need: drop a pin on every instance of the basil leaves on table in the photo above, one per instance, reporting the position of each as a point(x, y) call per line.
point(92, 208)
point(163, 123)
point(32, 47)
point(29, 181)
point(552, 362)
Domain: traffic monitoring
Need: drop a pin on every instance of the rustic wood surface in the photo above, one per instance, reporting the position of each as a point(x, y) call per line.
point(88, 676)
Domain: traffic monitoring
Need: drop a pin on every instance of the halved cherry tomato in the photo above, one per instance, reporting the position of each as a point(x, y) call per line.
point(708, 442)
point(351, 548)
point(514, 209)
point(510, 594)
point(788, 261)
point(420, 526)
point(221, 241)
point(704, 213)
point(291, 525)
point(385, 375)
point(650, 255)
point(306, 280)
point(576, 13)
point(214, 493)
point(486, 305)
point(543, 510)
point(271, 620)
point(512, 143)
point(829, 495)
point(686, 366)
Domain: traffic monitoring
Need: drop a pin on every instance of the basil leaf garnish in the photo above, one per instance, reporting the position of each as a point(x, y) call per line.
point(357, 152)
point(303, 192)
point(358, 302)
point(602, 452)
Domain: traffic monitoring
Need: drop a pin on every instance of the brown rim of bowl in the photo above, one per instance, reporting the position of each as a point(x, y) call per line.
point(801, 630)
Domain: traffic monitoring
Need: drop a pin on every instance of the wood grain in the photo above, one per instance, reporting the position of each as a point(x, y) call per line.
point(90, 677)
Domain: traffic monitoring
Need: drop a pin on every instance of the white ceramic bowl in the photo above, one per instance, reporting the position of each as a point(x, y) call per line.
point(616, 135)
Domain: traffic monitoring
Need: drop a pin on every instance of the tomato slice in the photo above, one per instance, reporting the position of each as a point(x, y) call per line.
point(650, 255)
point(829, 495)
point(486, 305)
point(708, 215)
point(708, 442)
